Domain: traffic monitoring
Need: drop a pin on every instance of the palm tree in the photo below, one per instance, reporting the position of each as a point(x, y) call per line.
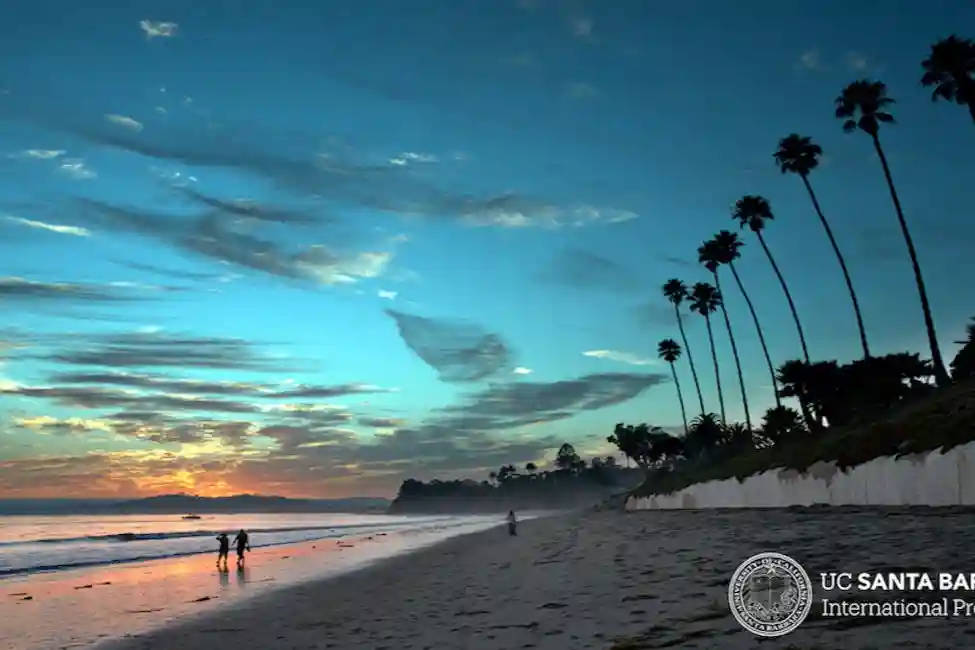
point(676, 292)
point(799, 155)
point(705, 300)
point(951, 70)
point(669, 351)
point(754, 211)
point(726, 245)
point(868, 99)
point(794, 376)
point(707, 255)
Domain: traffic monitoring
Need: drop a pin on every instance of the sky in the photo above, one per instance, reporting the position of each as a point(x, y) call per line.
point(313, 249)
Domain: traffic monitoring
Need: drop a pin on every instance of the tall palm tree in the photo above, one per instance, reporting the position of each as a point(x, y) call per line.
point(676, 292)
point(726, 245)
point(799, 155)
point(708, 256)
point(868, 99)
point(705, 300)
point(951, 70)
point(754, 211)
point(669, 351)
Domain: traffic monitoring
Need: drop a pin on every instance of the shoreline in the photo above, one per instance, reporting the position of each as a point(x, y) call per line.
point(81, 607)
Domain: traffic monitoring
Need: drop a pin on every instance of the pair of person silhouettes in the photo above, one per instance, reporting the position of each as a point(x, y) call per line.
point(241, 541)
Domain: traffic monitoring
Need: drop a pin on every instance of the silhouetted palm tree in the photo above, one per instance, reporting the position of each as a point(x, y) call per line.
point(705, 300)
point(676, 292)
point(754, 211)
point(708, 256)
point(868, 99)
point(669, 351)
point(951, 70)
point(799, 155)
point(726, 245)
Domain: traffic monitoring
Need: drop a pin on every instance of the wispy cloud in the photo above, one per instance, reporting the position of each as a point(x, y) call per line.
point(42, 154)
point(250, 209)
point(412, 157)
point(15, 288)
point(124, 120)
point(510, 211)
point(581, 27)
point(622, 357)
point(166, 350)
point(76, 169)
point(521, 370)
point(77, 231)
point(207, 235)
point(856, 62)
point(387, 295)
point(809, 60)
point(582, 269)
point(158, 28)
point(458, 351)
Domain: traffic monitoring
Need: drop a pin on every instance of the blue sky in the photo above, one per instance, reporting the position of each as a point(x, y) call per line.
point(314, 250)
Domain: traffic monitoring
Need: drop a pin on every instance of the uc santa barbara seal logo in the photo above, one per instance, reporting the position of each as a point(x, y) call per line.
point(770, 594)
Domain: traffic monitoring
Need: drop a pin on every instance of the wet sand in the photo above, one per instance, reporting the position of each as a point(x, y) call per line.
point(600, 580)
point(79, 607)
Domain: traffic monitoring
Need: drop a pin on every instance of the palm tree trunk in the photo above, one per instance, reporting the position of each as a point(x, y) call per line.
point(680, 396)
point(690, 359)
point(940, 374)
point(717, 375)
point(846, 272)
point(788, 296)
point(758, 328)
point(734, 352)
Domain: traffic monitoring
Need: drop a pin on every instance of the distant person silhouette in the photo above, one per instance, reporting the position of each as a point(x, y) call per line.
point(242, 543)
point(512, 523)
point(224, 549)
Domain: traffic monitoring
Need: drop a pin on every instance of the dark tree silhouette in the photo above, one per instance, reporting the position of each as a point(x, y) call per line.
point(647, 445)
point(754, 211)
point(708, 256)
point(780, 422)
point(676, 292)
point(868, 99)
point(963, 365)
point(567, 458)
point(531, 468)
point(951, 70)
point(799, 155)
point(794, 377)
point(726, 245)
point(669, 351)
point(705, 434)
point(705, 300)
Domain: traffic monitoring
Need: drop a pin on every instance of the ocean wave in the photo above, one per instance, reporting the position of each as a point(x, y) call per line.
point(127, 537)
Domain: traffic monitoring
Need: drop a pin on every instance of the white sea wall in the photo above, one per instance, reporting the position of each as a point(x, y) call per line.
point(932, 478)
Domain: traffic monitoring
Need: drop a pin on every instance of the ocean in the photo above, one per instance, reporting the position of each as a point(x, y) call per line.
point(33, 543)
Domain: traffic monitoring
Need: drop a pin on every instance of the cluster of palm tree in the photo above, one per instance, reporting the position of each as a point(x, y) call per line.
point(863, 105)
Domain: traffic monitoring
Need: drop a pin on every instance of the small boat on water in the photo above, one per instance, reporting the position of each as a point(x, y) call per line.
point(191, 516)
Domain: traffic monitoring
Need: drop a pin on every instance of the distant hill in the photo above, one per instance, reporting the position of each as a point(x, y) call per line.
point(191, 504)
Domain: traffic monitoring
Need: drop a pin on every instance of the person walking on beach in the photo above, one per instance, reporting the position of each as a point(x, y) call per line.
point(242, 543)
point(512, 523)
point(224, 549)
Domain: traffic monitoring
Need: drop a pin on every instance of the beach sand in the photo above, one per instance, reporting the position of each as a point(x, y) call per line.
point(599, 580)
